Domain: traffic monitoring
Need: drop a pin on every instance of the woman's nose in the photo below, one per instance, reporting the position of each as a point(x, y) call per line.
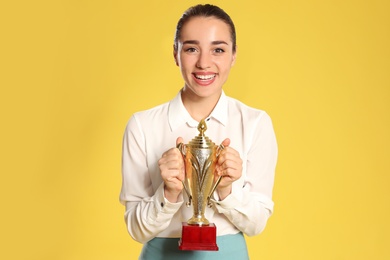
point(204, 61)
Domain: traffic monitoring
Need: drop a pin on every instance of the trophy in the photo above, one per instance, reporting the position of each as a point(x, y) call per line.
point(200, 157)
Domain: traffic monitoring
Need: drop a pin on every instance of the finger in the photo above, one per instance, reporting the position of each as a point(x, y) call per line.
point(231, 151)
point(171, 174)
point(179, 140)
point(173, 161)
point(172, 152)
point(172, 169)
point(226, 142)
point(230, 174)
point(169, 152)
point(230, 158)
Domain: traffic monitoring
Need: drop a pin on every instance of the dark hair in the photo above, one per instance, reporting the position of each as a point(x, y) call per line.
point(206, 10)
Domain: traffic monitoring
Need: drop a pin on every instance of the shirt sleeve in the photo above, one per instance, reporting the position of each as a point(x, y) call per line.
point(248, 207)
point(147, 211)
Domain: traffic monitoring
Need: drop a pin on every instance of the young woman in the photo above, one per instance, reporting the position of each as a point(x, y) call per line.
point(153, 169)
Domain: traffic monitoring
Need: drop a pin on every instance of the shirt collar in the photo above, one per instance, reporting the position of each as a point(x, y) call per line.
point(220, 111)
point(178, 115)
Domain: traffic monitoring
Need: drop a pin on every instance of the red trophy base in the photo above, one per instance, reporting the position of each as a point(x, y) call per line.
point(196, 237)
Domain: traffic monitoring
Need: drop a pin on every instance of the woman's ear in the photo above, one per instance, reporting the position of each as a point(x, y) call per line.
point(175, 55)
point(234, 57)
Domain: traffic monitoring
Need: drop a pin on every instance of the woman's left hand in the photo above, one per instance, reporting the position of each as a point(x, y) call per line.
point(229, 166)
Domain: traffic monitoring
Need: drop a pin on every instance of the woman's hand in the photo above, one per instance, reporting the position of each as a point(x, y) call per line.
point(229, 166)
point(171, 167)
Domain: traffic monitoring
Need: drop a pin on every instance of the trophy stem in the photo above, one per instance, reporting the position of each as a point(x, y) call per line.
point(199, 206)
point(198, 221)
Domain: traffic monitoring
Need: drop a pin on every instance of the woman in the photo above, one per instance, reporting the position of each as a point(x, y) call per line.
point(152, 190)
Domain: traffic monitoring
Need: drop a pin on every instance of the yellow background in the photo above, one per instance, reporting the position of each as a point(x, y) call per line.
point(73, 72)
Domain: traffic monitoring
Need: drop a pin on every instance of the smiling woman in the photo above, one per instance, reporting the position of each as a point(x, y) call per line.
point(152, 189)
point(205, 55)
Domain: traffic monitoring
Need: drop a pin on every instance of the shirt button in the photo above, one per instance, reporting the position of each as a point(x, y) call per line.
point(162, 204)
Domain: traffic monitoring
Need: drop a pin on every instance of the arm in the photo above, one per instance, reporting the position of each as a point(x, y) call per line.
point(249, 206)
point(148, 212)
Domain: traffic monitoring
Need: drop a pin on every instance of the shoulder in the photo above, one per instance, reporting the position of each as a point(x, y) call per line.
point(150, 113)
point(247, 112)
point(149, 116)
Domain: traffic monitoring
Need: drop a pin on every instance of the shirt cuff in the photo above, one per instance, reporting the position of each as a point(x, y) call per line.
point(232, 201)
point(165, 206)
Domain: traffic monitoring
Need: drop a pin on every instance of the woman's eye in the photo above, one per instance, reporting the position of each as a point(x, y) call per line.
point(190, 49)
point(219, 50)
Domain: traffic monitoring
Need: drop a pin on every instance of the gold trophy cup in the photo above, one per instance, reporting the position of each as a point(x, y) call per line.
point(200, 157)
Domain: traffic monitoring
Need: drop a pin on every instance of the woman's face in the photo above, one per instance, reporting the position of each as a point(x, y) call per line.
point(205, 56)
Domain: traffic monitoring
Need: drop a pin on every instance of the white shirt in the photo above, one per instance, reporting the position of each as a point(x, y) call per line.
point(152, 132)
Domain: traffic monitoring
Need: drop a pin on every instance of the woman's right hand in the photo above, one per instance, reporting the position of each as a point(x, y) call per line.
point(171, 166)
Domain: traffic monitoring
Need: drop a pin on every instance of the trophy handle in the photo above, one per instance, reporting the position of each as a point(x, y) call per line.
point(219, 150)
point(188, 194)
point(182, 149)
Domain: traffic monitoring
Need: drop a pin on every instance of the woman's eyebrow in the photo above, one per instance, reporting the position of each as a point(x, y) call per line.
point(197, 42)
point(219, 42)
point(191, 42)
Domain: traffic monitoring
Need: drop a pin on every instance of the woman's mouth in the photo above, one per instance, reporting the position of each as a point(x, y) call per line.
point(204, 79)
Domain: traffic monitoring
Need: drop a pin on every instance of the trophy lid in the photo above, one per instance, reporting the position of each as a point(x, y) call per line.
point(201, 141)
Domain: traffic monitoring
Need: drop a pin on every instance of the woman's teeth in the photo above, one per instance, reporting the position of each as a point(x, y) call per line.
point(205, 77)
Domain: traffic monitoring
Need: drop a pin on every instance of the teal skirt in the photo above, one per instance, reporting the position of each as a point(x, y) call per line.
point(230, 247)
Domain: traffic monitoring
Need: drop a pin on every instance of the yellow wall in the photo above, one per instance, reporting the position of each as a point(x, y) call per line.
point(73, 72)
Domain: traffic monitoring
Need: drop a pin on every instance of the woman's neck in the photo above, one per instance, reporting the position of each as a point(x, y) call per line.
point(199, 107)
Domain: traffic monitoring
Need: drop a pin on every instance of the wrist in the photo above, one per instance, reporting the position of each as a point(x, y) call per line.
point(224, 192)
point(171, 196)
